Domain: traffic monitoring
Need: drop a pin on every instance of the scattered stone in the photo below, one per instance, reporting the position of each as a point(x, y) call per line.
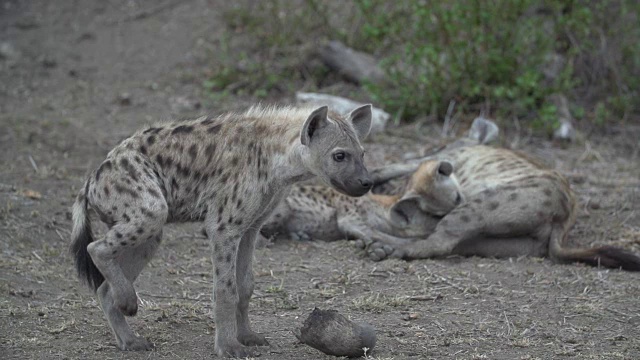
point(27, 23)
point(124, 99)
point(484, 130)
point(8, 52)
point(32, 194)
point(48, 62)
point(86, 36)
point(410, 316)
point(180, 104)
point(565, 131)
point(342, 105)
point(334, 334)
point(353, 65)
point(22, 293)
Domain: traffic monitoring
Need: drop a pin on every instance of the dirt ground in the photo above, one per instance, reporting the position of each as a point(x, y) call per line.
point(78, 76)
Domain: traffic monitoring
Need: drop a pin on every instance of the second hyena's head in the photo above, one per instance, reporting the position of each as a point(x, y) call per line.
point(431, 192)
point(333, 151)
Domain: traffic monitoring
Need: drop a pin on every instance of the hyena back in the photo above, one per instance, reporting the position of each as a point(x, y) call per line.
point(229, 171)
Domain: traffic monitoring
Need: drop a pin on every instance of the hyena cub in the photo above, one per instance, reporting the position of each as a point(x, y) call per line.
point(322, 213)
point(514, 206)
point(230, 171)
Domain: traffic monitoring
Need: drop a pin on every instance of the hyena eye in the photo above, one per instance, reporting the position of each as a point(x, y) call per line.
point(339, 156)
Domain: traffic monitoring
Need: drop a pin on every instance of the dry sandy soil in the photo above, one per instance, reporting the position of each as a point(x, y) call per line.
point(78, 76)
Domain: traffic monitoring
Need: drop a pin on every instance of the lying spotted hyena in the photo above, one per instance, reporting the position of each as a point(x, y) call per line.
point(514, 206)
point(229, 171)
point(321, 213)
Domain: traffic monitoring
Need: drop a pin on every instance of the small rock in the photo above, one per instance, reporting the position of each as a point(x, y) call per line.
point(8, 52)
point(410, 316)
point(86, 37)
point(181, 104)
point(566, 130)
point(32, 194)
point(124, 99)
point(594, 205)
point(27, 23)
point(333, 334)
point(48, 62)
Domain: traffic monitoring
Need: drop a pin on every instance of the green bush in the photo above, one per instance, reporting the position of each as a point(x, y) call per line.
point(482, 55)
point(493, 53)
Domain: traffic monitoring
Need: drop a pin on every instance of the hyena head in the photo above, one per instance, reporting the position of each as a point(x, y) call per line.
point(432, 191)
point(334, 153)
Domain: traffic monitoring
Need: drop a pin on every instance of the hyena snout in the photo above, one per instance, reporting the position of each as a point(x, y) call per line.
point(356, 186)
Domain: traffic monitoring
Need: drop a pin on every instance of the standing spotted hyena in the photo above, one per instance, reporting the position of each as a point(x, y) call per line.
point(229, 171)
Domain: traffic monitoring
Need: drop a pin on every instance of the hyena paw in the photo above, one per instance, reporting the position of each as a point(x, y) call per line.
point(126, 302)
point(235, 350)
point(362, 243)
point(252, 338)
point(300, 236)
point(379, 251)
point(137, 343)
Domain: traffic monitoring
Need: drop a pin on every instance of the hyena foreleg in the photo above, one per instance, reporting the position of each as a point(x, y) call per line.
point(226, 240)
point(244, 276)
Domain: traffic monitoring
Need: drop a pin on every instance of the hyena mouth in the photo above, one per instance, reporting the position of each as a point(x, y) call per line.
point(355, 191)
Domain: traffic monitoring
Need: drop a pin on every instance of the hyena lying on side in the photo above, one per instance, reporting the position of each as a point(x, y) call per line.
point(321, 213)
point(514, 206)
point(229, 171)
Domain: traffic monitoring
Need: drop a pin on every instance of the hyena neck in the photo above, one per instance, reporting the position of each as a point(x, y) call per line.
point(381, 206)
point(292, 166)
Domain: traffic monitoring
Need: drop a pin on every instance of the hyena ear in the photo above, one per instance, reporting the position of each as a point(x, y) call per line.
point(483, 130)
point(403, 212)
point(361, 120)
point(315, 121)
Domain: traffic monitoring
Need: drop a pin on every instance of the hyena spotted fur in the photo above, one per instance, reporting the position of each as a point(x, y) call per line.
point(513, 206)
point(230, 171)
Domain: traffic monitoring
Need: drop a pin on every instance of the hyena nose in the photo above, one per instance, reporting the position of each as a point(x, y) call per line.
point(366, 183)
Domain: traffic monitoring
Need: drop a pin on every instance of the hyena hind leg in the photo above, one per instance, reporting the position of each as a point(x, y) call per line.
point(126, 238)
point(132, 263)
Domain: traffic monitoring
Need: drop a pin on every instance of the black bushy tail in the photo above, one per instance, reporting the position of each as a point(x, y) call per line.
point(81, 237)
point(611, 257)
point(605, 256)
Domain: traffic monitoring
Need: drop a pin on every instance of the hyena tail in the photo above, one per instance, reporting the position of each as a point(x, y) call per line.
point(81, 237)
point(605, 256)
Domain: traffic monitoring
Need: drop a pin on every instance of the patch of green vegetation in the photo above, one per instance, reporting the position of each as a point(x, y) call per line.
point(275, 58)
point(494, 53)
point(491, 56)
